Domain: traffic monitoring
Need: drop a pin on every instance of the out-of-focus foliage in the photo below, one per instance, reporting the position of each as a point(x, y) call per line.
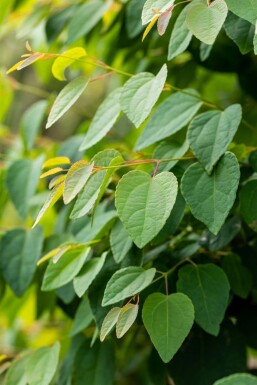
point(128, 185)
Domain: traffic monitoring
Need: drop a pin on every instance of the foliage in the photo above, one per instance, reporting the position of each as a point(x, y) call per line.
point(136, 210)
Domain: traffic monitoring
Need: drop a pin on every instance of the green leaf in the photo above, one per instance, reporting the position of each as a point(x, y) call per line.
point(213, 195)
point(106, 180)
point(208, 288)
point(109, 321)
point(140, 93)
point(52, 198)
point(240, 31)
point(240, 278)
point(210, 133)
point(16, 373)
point(246, 10)
point(65, 269)
point(170, 149)
point(42, 365)
point(126, 318)
point(66, 98)
point(21, 181)
point(144, 203)
point(238, 379)
point(172, 115)
point(65, 60)
point(205, 21)
point(103, 221)
point(168, 320)
point(83, 317)
point(158, 5)
point(248, 204)
point(120, 241)
point(20, 251)
point(31, 122)
point(76, 179)
point(90, 193)
point(180, 37)
point(85, 18)
point(95, 365)
point(126, 283)
point(104, 119)
point(133, 18)
point(88, 273)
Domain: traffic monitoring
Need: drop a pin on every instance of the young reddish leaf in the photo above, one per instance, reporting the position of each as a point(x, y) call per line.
point(163, 22)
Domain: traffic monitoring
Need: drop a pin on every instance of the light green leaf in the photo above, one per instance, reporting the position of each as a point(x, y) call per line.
point(76, 179)
point(170, 149)
point(104, 119)
point(172, 115)
point(109, 321)
point(127, 282)
point(248, 204)
point(255, 41)
point(246, 10)
point(65, 269)
point(126, 318)
point(208, 288)
point(212, 196)
point(85, 18)
point(205, 21)
point(240, 278)
point(20, 251)
point(238, 379)
point(66, 98)
point(83, 317)
point(140, 93)
point(31, 122)
point(88, 273)
point(168, 320)
point(240, 31)
point(53, 197)
point(42, 364)
point(144, 203)
point(65, 60)
point(21, 181)
point(103, 221)
point(90, 193)
point(210, 133)
point(159, 5)
point(180, 36)
point(16, 373)
point(120, 241)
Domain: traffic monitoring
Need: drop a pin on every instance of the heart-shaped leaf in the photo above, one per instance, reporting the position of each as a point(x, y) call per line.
point(211, 197)
point(210, 133)
point(208, 288)
point(168, 320)
point(246, 9)
point(205, 21)
point(144, 203)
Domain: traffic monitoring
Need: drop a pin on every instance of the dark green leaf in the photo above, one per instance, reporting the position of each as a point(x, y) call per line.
point(20, 251)
point(248, 203)
point(161, 316)
point(213, 195)
point(208, 288)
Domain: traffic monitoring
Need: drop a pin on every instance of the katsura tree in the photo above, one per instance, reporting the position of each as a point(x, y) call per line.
point(130, 223)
